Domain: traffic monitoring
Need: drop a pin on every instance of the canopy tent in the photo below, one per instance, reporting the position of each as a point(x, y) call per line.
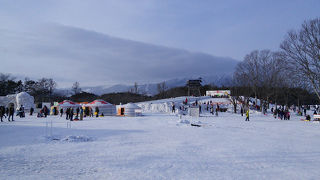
point(129, 109)
point(104, 107)
point(67, 104)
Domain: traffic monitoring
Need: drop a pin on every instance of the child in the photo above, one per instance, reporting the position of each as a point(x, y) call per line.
point(247, 115)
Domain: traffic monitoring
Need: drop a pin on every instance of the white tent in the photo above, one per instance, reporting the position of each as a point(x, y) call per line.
point(67, 104)
point(129, 109)
point(104, 107)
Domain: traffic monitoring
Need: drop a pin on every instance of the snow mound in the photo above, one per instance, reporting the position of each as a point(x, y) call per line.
point(77, 139)
point(25, 99)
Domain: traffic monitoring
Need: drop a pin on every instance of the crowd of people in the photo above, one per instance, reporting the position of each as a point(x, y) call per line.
point(282, 113)
point(71, 113)
point(8, 112)
point(209, 106)
point(80, 113)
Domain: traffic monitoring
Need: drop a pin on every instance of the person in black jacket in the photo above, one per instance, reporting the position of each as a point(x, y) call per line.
point(31, 111)
point(2, 112)
point(97, 112)
point(67, 113)
point(11, 112)
point(77, 111)
point(61, 112)
point(71, 114)
point(45, 111)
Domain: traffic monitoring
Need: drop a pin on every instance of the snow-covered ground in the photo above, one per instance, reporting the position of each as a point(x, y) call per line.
point(160, 146)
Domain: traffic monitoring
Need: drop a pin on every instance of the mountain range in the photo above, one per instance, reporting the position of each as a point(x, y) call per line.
point(152, 88)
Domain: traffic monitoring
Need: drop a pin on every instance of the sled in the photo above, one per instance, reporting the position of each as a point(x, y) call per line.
point(196, 125)
point(201, 125)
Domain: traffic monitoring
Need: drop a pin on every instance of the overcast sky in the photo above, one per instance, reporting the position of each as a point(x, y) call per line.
point(34, 31)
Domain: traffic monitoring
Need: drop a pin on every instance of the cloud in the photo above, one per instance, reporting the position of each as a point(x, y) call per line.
point(70, 54)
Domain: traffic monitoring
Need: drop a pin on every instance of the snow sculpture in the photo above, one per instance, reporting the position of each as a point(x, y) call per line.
point(25, 99)
point(22, 98)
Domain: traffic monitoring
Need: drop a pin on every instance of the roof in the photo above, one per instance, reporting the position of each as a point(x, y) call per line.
point(68, 103)
point(99, 103)
point(131, 106)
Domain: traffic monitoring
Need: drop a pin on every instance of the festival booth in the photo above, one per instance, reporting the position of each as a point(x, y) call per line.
point(104, 107)
point(68, 104)
point(129, 109)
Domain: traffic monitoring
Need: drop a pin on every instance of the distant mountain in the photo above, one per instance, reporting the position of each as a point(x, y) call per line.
point(151, 89)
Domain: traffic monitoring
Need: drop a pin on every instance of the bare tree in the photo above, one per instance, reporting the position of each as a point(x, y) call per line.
point(250, 72)
point(263, 72)
point(76, 88)
point(135, 88)
point(44, 88)
point(162, 87)
point(302, 49)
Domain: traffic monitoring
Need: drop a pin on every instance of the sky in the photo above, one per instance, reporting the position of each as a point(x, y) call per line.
point(66, 39)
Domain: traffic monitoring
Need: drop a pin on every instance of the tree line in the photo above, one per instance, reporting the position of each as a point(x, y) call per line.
point(289, 73)
point(42, 89)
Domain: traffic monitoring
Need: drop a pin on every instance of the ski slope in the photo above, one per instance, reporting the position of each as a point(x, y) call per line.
point(160, 146)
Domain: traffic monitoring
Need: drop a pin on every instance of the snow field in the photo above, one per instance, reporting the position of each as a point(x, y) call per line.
point(160, 146)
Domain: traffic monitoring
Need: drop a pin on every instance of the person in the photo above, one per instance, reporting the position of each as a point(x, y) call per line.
point(241, 110)
point(77, 111)
point(308, 118)
point(288, 115)
point(217, 109)
point(173, 107)
point(81, 113)
point(305, 111)
point(31, 111)
point(61, 112)
point(2, 112)
point(199, 108)
point(247, 115)
point(53, 111)
point(40, 114)
point(91, 112)
point(97, 112)
point(71, 114)
point(21, 111)
point(11, 112)
point(67, 113)
point(45, 111)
